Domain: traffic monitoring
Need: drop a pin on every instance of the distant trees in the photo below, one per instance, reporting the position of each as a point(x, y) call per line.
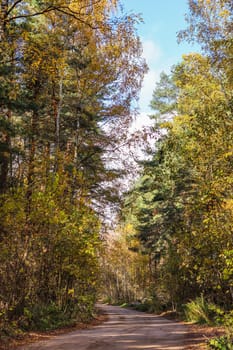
point(125, 273)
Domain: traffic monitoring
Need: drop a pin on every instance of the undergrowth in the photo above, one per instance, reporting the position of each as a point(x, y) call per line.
point(45, 318)
point(201, 312)
point(224, 342)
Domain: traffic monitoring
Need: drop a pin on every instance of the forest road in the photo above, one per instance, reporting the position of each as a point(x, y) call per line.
point(125, 329)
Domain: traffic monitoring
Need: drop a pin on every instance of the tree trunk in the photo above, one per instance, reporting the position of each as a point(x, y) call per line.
point(5, 139)
point(31, 161)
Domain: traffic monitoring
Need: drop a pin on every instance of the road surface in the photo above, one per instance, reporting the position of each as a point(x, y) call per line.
point(125, 329)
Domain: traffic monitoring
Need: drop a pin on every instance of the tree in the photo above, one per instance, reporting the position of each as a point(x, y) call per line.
point(164, 98)
point(210, 24)
point(68, 68)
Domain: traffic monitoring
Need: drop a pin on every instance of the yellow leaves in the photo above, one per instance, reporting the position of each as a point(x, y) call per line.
point(71, 292)
point(166, 125)
point(201, 90)
point(129, 229)
point(42, 61)
point(217, 94)
point(92, 13)
point(224, 13)
point(229, 204)
point(228, 154)
point(13, 94)
point(179, 122)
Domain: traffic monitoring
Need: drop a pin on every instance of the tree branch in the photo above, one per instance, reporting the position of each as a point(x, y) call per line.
point(63, 9)
point(48, 9)
point(13, 6)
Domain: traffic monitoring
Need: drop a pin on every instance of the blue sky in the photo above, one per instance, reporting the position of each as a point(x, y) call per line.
point(162, 20)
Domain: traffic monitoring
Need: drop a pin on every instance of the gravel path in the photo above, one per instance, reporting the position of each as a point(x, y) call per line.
point(125, 329)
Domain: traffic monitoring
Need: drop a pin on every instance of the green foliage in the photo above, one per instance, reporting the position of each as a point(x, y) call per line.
point(44, 317)
point(143, 307)
point(221, 343)
point(201, 312)
point(164, 98)
point(150, 304)
point(228, 323)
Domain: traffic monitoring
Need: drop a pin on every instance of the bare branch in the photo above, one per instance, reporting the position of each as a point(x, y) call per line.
point(63, 9)
point(48, 9)
point(13, 6)
point(69, 12)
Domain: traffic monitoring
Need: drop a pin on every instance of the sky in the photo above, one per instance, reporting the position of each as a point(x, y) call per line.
point(162, 20)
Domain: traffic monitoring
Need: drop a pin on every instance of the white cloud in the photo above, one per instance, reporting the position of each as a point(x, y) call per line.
point(148, 87)
point(153, 55)
point(151, 51)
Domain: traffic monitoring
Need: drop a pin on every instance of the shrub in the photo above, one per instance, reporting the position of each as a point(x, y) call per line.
point(44, 317)
point(201, 312)
point(221, 343)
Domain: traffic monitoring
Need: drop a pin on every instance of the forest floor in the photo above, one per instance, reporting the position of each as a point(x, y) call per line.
point(119, 329)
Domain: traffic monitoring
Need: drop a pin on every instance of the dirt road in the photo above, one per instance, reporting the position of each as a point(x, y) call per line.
point(125, 329)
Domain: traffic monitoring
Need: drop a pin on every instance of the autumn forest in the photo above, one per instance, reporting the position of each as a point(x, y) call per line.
point(70, 77)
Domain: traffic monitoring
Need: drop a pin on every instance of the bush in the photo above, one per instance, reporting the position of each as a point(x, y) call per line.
point(151, 304)
point(224, 342)
point(228, 323)
point(44, 317)
point(221, 343)
point(201, 312)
